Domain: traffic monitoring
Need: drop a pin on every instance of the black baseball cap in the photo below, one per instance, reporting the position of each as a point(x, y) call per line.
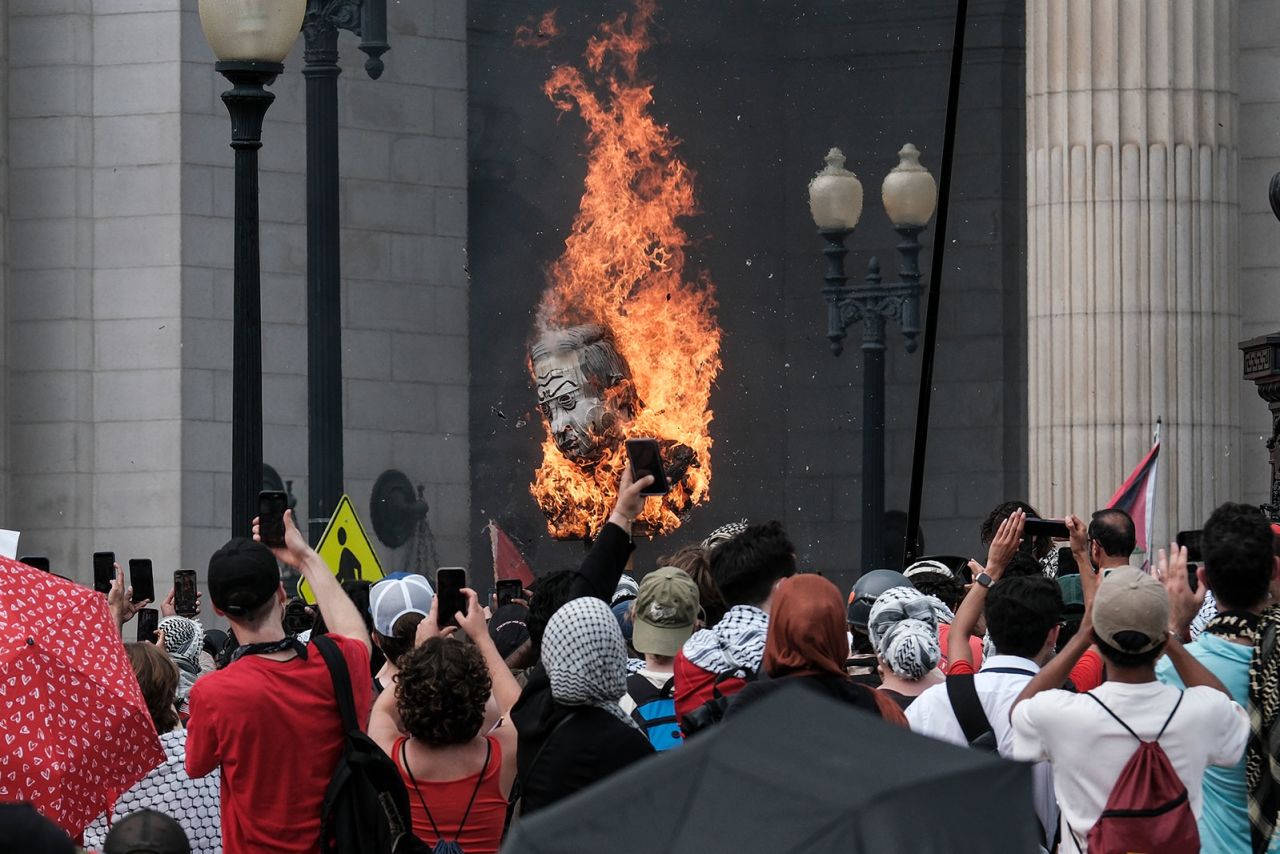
point(146, 832)
point(242, 576)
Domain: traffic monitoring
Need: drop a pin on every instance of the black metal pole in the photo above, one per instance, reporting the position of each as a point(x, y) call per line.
point(247, 102)
point(935, 289)
point(324, 293)
point(873, 434)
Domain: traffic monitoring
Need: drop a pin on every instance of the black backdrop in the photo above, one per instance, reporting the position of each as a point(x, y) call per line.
point(757, 92)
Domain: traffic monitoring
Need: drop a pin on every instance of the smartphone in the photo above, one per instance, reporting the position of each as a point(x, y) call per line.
point(148, 622)
point(39, 562)
point(1192, 579)
point(296, 619)
point(646, 459)
point(184, 595)
point(140, 577)
point(449, 596)
point(1053, 528)
point(271, 506)
point(1191, 540)
point(508, 589)
point(104, 571)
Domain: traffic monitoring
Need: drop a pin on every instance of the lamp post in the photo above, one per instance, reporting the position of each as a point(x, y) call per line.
point(909, 195)
point(250, 39)
point(324, 19)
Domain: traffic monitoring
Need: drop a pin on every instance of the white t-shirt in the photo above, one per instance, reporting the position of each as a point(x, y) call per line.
point(1088, 748)
point(998, 684)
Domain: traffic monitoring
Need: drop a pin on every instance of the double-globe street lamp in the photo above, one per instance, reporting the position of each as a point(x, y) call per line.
point(250, 41)
point(910, 196)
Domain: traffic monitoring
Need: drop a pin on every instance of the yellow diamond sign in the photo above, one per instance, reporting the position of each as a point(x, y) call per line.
point(346, 550)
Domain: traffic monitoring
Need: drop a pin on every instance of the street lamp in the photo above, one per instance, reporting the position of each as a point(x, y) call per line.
point(250, 38)
point(324, 19)
point(910, 195)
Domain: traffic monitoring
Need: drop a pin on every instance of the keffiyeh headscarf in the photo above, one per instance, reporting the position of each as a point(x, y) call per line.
point(585, 657)
point(903, 626)
point(184, 641)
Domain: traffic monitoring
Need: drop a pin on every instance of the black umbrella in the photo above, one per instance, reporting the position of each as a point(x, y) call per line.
point(797, 772)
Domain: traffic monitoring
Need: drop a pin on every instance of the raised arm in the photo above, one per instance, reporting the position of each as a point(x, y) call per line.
point(506, 690)
point(1001, 551)
point(340, 613)
point(602, 567)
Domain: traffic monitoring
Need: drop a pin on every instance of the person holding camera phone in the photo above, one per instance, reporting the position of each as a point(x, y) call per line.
point(269, 719)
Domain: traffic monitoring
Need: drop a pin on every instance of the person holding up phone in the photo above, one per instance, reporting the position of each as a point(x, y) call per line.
point(1109, 545)
point(276, 692)
point(120, 600)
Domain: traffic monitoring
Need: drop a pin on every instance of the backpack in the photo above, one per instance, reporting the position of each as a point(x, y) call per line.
point(366, 807)
point(963, 695)
point(655, 711)
point(1147, 809)
point(712, 711)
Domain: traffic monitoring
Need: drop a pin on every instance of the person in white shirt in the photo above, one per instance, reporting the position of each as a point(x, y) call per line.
point(1022, 615)
point(1087, 746)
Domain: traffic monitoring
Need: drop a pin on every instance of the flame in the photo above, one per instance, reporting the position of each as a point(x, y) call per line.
point(539, 34)
point(623, 267)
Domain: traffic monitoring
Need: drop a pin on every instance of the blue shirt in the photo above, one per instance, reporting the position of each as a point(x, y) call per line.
point(1224, 820)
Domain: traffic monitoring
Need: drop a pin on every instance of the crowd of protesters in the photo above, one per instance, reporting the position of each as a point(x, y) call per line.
point(1147, 697)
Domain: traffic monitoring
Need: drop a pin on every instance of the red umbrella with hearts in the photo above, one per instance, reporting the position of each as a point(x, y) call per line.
point(74, 730)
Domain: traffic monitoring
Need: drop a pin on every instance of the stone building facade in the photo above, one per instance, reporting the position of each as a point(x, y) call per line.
point(115, 267)
point(117, 277)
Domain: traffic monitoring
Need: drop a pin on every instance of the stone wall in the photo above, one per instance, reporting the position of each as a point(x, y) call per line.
point(757, 99)
point(120, 285)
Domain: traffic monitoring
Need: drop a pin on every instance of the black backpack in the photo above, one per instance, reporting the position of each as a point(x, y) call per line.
point(712, 711)
point(366, 807)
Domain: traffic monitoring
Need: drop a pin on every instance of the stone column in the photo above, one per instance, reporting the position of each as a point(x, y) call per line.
point(1132, 304)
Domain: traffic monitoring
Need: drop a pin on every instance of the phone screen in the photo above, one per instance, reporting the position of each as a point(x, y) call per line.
point(140, 577)
point(271, 507)
point(508, 589)
point(148, 621)
point(104, 571)
point(39, 562)
point(647, 459)
point(184, 596)
point(449, 583)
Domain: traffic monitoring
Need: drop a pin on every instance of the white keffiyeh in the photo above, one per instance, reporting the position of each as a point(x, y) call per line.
point(736, 641)
point(903, 626)
point(586, 658)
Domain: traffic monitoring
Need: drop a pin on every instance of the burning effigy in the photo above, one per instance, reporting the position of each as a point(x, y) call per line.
point(626, 342)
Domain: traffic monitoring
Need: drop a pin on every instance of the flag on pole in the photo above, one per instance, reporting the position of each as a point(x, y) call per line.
point(508, 563)
point(1136, 496)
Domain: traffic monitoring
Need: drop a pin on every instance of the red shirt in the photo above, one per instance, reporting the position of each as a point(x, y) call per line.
point(275, 729)
point(448, 801)
point(975, 648)
point(1086, 674)
point(695, 686)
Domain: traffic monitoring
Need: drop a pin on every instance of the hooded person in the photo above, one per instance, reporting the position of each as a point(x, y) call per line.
point(590, 736)
point(184, 641)
point(903, 627)
point(808, 643)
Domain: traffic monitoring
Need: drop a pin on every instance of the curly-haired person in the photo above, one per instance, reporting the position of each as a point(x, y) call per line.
point(458, 777)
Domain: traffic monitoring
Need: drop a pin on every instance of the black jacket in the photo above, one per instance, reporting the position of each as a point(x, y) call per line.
point(593, 744)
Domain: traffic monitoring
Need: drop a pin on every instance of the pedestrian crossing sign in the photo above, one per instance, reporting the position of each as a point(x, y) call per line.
point(346, 550)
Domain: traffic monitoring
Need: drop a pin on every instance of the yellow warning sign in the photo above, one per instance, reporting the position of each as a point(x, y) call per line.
point(346, 550)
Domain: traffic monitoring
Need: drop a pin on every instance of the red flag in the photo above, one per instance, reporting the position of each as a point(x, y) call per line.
point(1136, 496)
point(508, 563)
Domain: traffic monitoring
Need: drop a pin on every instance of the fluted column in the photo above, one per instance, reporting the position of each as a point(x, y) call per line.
point(1132, 303)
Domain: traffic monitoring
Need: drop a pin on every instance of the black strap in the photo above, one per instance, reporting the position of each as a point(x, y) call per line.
point(270, 647)
point(968, 710)
point(1127, 727)
point(1018, 670)
point(341, 681)
point(404, 760)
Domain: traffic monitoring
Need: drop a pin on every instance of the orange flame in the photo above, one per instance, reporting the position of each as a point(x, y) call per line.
point(540, 34)
point(623, 267)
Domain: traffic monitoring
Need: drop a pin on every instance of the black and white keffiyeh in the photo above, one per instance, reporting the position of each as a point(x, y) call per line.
point(194, 804)
point(903, 627)
point(736, 641)
point(585, 657)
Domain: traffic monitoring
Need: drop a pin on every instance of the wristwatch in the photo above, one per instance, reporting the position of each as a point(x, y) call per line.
point(984, 580)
